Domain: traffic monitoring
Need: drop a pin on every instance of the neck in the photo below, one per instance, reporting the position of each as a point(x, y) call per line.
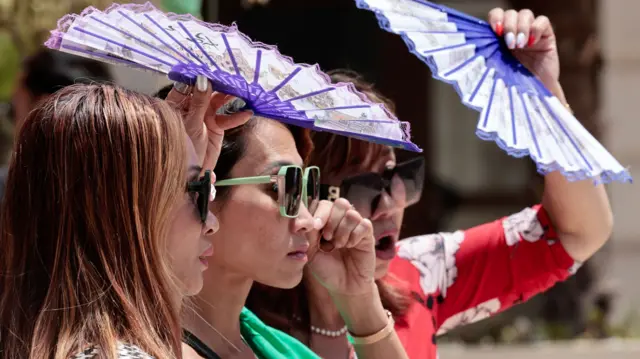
point(322, 312)
point(214, 315)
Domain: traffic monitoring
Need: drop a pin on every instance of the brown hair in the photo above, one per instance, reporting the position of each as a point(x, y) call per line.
point(289, 308)
point(90, 190)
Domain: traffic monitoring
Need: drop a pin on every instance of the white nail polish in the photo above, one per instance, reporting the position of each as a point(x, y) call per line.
point(510, 39)
point(212, 194)
point(521, 40)
point(202, 83)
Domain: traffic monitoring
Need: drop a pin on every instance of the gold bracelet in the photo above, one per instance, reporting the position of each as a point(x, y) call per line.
point(376, 337)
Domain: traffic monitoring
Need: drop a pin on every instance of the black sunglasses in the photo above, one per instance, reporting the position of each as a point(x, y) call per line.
point(204, 189)
point(404, 183)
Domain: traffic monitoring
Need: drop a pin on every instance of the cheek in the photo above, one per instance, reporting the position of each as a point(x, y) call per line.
point(251, 228)
point(185, 232)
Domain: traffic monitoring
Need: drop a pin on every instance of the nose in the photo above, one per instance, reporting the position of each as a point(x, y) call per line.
point(211, 225)
point(304, 222)
point(386, 208)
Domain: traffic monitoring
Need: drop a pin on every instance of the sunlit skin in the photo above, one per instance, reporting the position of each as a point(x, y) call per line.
point(388, 216)
point(190, 241)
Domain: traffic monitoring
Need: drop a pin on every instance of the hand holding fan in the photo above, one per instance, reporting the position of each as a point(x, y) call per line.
point(271, 84)
point(516, 110)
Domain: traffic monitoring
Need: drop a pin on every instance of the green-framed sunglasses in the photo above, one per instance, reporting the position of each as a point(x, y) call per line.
point(294, 186)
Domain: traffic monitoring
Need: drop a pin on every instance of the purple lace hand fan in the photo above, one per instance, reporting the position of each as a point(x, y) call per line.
point(271, 84)
point(516, 110)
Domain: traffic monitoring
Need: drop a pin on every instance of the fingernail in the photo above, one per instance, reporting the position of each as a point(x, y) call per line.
point(317, 224)
point(212, 194)
point(532, 40)
point(499, 29)
point(327, 236)
point(202, 83)
point(510, 39)
point(181, 87)
point(521, 40)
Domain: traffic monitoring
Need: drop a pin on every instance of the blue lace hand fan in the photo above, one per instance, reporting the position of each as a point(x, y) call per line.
point(271, 84)
point(516, 110)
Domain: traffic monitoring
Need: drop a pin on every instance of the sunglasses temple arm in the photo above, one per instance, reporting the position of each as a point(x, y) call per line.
point(246, 180)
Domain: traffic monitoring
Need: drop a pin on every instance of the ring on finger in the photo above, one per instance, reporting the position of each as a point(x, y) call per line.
point(182, 88)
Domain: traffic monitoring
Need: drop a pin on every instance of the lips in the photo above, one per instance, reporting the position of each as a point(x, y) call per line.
point(386, 244)
point(300, 252)
point(204, 255)
point(208, 252)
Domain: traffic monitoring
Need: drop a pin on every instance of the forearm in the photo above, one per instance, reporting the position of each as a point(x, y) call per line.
point(364, 315)
point(580, 212)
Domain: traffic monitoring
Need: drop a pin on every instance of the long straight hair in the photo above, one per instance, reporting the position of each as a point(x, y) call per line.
point(90, 188)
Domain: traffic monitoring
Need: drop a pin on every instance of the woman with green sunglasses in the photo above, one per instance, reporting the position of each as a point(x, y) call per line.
point(264, 203)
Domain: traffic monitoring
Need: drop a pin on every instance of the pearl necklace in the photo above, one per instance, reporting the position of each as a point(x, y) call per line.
point(329, 333)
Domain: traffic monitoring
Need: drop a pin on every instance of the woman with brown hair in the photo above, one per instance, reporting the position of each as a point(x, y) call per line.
point(271, 222)
point(105, 223)
point(433, 283)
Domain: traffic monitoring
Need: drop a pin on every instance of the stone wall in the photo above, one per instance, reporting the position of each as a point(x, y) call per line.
point(620, 93)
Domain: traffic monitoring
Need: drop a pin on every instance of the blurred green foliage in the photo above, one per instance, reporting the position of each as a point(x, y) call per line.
point(9, 65)
point(24, 26)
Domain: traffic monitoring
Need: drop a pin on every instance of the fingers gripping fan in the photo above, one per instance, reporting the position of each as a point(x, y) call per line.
point(271, 84)
point(516, 110)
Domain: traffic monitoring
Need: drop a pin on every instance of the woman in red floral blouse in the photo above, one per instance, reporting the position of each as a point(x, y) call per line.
point(433, 283)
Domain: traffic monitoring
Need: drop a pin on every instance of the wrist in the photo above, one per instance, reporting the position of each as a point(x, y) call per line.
point(363, 314)
point(557, 91)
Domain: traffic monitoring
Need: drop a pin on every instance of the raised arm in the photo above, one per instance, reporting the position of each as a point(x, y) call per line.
point(579, 211)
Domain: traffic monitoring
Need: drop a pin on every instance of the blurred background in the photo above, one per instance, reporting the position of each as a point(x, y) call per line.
point(594, 314)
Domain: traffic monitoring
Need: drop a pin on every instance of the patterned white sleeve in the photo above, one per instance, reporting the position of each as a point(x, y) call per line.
point(125, 351)
point(433, 255)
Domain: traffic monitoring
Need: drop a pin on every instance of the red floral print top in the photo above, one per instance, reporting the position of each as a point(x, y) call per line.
point(462, 277)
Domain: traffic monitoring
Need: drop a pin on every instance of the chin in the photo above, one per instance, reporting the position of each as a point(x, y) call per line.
point(194, 287)
point(284, 281)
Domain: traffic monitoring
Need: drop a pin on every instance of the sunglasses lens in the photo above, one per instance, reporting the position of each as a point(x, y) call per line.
point(313, 189)
point(203, 206)
point(363, 191)
point(408, 181)
point(293, 190)
point(404, 186)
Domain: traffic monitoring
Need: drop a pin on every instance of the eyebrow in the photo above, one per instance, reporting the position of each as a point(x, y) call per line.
point(277, 164)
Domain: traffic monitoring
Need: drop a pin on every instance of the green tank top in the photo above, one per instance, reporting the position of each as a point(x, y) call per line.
point(265, 341)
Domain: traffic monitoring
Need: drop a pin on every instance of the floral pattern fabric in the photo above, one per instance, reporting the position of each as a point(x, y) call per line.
point(465, 276)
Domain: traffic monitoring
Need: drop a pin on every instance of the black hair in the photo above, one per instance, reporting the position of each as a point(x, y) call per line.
point(163, 92)
point(47, 71)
